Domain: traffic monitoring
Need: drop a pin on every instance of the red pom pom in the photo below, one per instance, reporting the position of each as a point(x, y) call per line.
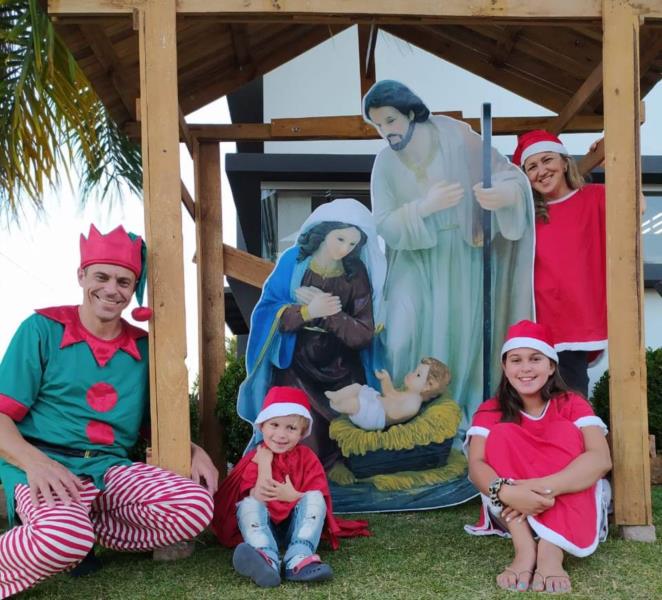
point(142, 313)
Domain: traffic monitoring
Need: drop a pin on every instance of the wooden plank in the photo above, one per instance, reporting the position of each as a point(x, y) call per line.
point(211, 296)
point(246, 267)
point(579, 100)
point(306, 11)
point(592, 159)
point(187, 200)
point(367, 43)
point(163, 229)
point(561, 9)
point(627, 365)
point(355, 128)
point(184, 133)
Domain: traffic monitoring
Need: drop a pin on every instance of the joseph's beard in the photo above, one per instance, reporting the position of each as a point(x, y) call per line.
point(404, 140)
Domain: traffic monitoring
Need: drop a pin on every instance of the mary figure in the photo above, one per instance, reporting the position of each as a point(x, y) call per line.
point(314, 324)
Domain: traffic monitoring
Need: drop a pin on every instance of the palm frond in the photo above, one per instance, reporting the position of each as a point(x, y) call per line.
point(51, 118)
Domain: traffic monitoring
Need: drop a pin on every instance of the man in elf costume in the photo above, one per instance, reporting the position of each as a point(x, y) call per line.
point(73, 396)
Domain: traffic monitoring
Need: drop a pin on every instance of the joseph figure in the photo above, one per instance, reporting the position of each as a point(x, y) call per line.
point(428, 198)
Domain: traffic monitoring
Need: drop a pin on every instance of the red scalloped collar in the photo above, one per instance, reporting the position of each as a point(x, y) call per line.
point(103, 350)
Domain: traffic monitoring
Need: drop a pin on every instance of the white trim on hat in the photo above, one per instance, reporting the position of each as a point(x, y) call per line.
point(544, 146)
point(527, 342)
point(284, 409)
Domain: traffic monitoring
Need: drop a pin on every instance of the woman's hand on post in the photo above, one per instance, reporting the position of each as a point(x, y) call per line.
point(324, 305)
point(440, 196)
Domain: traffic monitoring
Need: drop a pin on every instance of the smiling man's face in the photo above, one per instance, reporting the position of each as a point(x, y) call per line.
point(107, 290)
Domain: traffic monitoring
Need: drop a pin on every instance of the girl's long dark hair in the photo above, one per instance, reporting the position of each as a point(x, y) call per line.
point(510, 402)
point(310, 241)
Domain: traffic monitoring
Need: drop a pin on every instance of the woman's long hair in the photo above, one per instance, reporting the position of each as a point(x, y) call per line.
point(573, 178)
point(510, 402)
point(311, 240)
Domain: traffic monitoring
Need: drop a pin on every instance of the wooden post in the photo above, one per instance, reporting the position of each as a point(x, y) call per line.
point(163, 229)
point(627, 365)
point(211, 299)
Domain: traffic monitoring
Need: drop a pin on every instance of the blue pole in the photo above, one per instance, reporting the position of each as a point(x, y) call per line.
point(486, 130)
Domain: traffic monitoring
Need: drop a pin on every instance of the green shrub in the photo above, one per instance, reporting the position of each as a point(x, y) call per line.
point(236, 432)
point(654, 383)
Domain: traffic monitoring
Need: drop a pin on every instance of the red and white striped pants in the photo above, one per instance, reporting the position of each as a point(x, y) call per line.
point(142, 508)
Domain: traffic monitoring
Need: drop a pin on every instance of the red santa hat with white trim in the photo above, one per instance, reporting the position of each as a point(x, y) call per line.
point(533, 142)
point(283, 401)
point(527, 334)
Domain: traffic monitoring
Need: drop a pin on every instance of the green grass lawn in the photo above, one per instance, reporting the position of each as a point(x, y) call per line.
point(411, 555)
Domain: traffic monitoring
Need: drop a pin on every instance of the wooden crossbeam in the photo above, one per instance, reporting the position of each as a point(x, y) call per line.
point(187, 200)
point(585, 92)
point(355, 128)
point(505, 47)
point(304, 9)
point(245, 267)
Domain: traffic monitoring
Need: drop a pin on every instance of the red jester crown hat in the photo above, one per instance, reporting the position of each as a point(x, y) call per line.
point(114, 248)
point(118, 248)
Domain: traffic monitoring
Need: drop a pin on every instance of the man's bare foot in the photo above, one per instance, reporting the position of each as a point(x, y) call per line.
point(550, 575)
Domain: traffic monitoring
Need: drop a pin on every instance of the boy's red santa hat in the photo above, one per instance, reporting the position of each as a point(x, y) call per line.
point(527, 334)
point(283, 401)
point(533, 142)
point(123, 249)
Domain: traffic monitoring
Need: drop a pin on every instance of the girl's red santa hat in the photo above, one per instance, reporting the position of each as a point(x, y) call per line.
point(527, 334)
point(533, 142)
point(283, 401)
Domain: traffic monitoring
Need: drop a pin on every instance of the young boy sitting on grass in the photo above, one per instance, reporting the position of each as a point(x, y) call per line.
point(277, 494)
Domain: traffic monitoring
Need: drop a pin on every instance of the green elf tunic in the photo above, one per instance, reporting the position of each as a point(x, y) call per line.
point(64, 386)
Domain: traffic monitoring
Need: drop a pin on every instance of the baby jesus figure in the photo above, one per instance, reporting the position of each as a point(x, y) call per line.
point(370, 410)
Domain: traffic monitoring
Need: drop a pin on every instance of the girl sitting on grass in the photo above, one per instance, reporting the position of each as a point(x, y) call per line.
point(537, 453)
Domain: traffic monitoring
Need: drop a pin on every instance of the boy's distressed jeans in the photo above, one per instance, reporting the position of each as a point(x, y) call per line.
point(300, 533)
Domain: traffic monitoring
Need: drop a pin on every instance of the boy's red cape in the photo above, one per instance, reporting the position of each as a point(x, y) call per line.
point(306, 474)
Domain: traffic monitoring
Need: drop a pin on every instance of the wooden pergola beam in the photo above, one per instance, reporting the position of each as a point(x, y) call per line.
point(627, 365)
point(211, 294)
point(355, 128)
point(578, 101)
point(163, 229)
point(303, 9)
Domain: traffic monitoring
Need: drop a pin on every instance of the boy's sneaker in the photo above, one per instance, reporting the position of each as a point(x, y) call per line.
point(253, 563)
point(308, 569)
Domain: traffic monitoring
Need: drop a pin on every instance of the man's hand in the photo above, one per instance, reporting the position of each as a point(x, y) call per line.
point(306, 293)
point(286, 491)
point(440, 196)
point(324, 305)
point(53, 480)
point(500, 195)
point(203, 469)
